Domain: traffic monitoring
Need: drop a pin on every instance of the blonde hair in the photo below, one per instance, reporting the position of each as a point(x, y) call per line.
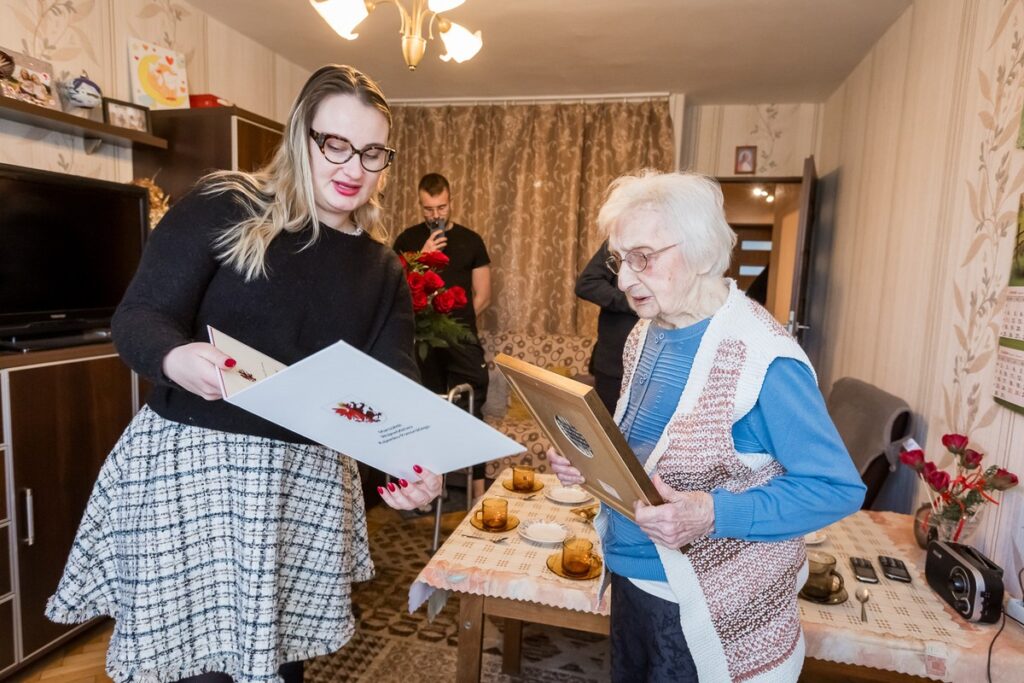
point(690, 206)
point(279, 197)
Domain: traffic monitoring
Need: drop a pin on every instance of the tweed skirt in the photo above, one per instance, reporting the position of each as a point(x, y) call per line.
point(216, 552)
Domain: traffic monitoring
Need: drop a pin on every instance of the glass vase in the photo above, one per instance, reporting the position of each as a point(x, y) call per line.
point(948, 529)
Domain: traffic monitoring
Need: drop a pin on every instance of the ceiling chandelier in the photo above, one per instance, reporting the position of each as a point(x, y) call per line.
point(344, 15)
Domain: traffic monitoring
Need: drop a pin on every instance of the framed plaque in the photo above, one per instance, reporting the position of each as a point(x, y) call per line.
point(573, 418)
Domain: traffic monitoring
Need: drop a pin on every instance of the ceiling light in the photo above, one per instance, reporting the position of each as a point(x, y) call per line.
point(770, 198)
point(344, 15)
point(758, 192)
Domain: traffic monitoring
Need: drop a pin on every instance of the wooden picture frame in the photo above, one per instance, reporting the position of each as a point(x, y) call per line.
point(746, 160)
point(126, 115)
point(27, 79)
point(578, 425)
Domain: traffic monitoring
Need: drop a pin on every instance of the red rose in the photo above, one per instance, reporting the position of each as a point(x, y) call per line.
point(419, 300)
point(432, 282)
point(928, 469)
point(914, 458)
point(460, 296)
point(1003, 480)
point(433, 259)
point(415, 281)
point(401, 259)
point(444, 301)
point(955, 443)
point(972, 459)
point(938, 480)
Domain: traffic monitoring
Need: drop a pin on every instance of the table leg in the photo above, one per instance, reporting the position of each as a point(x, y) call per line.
point(471, 638)
point(511, 652)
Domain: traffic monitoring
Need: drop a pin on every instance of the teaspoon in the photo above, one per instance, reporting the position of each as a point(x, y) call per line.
point(863, 595)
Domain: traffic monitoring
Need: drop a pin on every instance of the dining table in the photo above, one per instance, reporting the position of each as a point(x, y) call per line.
point(909, 634)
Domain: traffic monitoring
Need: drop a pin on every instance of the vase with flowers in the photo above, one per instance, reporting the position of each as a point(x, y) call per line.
point(433, 302)
point(957, 500)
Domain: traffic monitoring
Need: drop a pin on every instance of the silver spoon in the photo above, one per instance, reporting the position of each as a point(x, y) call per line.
point(500, 539)
point(863, 595)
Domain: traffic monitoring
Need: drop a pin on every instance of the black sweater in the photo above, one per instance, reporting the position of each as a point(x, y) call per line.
point(343, 287)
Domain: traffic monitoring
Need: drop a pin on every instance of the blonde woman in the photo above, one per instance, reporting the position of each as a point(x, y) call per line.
point(223, 545)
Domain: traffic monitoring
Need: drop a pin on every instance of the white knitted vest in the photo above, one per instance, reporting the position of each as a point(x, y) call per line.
point(737, 599)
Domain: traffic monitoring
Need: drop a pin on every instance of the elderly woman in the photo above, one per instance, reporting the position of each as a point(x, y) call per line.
point(722, 407)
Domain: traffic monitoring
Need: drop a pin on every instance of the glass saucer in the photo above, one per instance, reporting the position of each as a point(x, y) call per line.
point(511, 523)
point(837, 598)
point(555, 565)
point(537, 486)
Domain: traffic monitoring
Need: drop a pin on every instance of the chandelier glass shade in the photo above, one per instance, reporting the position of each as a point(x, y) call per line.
point(461, 44)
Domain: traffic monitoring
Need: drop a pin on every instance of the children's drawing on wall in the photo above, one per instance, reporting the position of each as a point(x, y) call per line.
point(158, 76)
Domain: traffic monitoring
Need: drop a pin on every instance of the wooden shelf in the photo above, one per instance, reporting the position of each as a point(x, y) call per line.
point(92, 131)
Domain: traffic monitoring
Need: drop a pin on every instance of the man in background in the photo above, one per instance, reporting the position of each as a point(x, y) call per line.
point(469, 268)
point(598, 284)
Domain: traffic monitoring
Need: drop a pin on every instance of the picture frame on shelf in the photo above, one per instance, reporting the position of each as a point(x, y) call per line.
point(746, 160)
point(126, 115)
point(27, 79)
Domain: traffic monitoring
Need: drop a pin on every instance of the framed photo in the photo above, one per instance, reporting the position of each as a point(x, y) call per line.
point(27, 79)
point(576, 422)
point(746, 160)
point(126, 115)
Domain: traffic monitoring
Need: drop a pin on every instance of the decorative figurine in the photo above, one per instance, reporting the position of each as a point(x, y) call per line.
point(81, 92)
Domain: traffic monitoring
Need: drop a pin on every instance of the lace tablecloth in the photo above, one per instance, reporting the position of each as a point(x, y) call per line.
point(910, 629)
point(469, 562)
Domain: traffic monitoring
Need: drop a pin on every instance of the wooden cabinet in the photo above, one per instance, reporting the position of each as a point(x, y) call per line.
point(202, 140)
point(65, 412)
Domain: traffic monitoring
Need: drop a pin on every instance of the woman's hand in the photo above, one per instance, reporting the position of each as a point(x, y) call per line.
point(684, 517)
point(563, 469)
point(409, 495)
point(193, 367)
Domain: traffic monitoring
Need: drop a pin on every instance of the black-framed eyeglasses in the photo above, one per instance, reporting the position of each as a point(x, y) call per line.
point(636, 260)
point(338, 150)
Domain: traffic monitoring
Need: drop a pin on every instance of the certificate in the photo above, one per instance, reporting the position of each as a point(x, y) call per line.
point(578, 425)
point(344, 399)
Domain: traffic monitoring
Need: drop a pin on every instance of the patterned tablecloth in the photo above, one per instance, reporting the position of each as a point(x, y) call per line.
point(910, 629)
point(469, 562)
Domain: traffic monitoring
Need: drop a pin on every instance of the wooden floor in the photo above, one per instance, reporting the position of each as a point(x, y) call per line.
point(82, 661)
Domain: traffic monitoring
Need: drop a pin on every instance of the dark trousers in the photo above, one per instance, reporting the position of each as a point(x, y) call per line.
point(290, 672)
point(443, 369)
point(647, 642)
point(608, 389)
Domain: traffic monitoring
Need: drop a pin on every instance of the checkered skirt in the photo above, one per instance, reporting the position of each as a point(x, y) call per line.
point(216, 552)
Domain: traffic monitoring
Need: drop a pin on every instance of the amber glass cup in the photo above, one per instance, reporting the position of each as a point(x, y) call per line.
point(577, 556)
point(493, 513)
point(822, 579)
point(522, 478)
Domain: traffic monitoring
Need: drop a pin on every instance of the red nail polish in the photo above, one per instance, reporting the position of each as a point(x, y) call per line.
point(403, 482)
point(380, 490)
point(230, 363)
point(391, 487)
point(417, 469)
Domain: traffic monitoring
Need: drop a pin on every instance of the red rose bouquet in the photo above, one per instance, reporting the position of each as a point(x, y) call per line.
point(956, 500)
point(433, 302)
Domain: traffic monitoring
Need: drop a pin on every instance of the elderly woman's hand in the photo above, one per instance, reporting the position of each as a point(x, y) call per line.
point(406, 495)
point(563, 469)
point(684, 517)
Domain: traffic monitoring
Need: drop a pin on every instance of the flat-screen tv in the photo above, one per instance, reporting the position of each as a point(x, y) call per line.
point(69, 246)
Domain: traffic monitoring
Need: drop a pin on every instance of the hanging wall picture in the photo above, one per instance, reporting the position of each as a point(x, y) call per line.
point(158, 76)
point(1009, 375)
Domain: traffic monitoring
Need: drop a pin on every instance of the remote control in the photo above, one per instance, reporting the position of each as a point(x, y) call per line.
point(863, 570)
point(893, 568)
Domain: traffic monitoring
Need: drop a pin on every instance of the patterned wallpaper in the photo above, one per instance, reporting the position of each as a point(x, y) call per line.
point(92, 35)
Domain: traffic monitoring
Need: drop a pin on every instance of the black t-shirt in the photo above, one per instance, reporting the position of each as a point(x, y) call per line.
point(465, 251)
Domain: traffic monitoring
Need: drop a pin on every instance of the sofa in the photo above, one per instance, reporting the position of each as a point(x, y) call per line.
point(566, 354)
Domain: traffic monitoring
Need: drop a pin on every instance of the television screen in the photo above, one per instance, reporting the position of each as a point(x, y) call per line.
point(69, 246)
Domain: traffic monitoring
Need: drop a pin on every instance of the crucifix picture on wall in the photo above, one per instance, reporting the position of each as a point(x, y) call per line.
point(746, 160)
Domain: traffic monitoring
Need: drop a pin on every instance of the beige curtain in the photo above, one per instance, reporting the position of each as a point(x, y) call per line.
point(530, 180)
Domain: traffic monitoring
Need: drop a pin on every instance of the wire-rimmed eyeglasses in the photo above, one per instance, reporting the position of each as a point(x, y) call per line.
point(636, 260)
point(338, 150)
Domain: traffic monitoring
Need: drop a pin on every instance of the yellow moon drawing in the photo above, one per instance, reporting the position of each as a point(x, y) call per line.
point(151, 78)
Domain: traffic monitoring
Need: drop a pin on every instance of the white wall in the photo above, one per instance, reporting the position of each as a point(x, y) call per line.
point(93, 35)
point(926, 122)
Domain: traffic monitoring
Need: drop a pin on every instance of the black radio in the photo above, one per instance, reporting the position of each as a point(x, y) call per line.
point(966, 579)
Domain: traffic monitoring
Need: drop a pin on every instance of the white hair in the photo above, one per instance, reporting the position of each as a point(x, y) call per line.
point(690, 206)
